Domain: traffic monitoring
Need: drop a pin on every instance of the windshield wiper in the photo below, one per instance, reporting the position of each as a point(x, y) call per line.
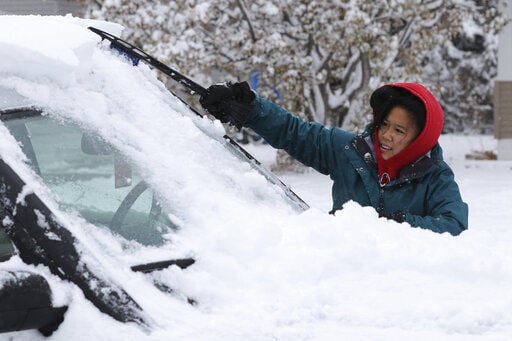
point(150, 267)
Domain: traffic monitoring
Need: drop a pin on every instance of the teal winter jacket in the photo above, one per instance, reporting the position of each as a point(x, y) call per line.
point(424, 191)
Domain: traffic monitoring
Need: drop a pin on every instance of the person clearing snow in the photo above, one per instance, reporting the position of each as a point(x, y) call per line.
point(395, 165)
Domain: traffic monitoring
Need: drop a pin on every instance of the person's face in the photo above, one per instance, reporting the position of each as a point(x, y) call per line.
point(397, 131)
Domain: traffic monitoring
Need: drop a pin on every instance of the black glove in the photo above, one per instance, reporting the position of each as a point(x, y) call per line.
point(397, 216)
point(229, 102)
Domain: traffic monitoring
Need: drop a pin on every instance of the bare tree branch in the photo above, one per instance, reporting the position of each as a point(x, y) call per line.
point(246, 17)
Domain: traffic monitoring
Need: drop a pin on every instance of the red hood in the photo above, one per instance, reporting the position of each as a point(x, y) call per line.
point(425, 141)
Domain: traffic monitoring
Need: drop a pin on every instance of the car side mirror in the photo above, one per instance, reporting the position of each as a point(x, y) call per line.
point(25, 303)
point(92, 145)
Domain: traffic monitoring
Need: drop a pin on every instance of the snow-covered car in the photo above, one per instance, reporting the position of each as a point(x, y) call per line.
point(233, 256)
point(102, 172)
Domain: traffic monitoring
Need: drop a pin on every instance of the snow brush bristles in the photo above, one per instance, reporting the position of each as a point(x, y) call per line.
point(135, 54)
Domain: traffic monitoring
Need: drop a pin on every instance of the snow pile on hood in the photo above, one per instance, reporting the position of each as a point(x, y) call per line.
point(263, 272)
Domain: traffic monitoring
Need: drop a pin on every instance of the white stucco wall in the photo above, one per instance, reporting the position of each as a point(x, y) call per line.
point(504, 74)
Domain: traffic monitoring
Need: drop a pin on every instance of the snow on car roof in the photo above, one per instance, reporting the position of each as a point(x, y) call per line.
point(39, 46)
point(10, 99)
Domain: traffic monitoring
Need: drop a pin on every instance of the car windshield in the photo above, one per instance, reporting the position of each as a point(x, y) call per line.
point(90, 177)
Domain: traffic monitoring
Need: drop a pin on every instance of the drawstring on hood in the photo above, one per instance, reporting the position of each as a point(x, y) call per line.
point(424, 142)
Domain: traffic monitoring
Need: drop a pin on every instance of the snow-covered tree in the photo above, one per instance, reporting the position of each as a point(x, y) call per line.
point(464, 69)
point(319, 59)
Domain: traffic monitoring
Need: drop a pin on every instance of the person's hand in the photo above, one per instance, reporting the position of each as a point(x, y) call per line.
point(229, 102)
point(397, 216)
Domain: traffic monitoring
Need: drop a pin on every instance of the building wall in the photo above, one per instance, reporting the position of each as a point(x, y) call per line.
point(43, 7)
point(503, 109)
point(503, 91)
point(505, 48)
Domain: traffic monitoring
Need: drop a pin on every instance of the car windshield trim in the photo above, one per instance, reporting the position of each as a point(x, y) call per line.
point(22, 112)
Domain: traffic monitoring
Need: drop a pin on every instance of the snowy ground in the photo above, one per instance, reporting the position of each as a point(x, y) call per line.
point(477, 262)
point(263, 271)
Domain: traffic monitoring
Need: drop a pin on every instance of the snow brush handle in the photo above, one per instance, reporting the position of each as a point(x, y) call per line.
point(136, 54)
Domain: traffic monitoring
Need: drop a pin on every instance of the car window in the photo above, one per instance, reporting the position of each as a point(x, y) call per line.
point(90, 177)
point(6, 249)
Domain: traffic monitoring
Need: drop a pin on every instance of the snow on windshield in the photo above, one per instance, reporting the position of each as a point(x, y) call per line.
point(263, 271)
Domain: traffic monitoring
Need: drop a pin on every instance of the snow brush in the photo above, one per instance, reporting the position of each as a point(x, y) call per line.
point(134, 54)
